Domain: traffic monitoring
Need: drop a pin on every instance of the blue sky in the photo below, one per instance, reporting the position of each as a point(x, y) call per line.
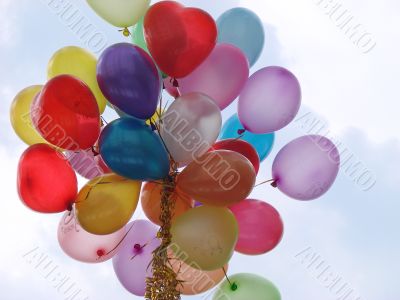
point(355, 94)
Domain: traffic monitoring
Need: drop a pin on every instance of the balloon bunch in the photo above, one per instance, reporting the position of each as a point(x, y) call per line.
point(167, 156)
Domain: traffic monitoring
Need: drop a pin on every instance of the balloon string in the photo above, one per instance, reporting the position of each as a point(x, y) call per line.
point(233, 285)
point(123, 238)
point(273, 182)
point(103, 120)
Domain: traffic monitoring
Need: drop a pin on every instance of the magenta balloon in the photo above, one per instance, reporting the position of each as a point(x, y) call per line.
point(260, 226)
point(306, 167)
point(84, 246)
point(131, 263)
point(221, 76)
point(85, 163)
point(269, 101)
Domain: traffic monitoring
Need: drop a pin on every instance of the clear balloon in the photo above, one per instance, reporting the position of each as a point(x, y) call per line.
point(190, 126)
point(150, 197)
point(221, 76)
point(106, 204)
point(120, 13)
point(46, 181)
point(260, 226)
point(306, 167)
point(269, 101)
point(243, 28)
point(262, 143)
point(84, 246)
point(247, 286)
point(80, 63)
point(131, 149)
point(205, 237)
point(132, 263)
point(218, 178)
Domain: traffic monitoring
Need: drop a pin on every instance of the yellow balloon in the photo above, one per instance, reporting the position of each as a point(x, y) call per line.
point(205, 237)
point(21, 118)
point(106, 204)
point(80, 63)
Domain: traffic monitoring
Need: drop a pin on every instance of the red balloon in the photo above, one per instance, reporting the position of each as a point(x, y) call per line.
point(46, 181)
point(260, 226)
point(179, 39)
point(241, 147)
point(66, 114)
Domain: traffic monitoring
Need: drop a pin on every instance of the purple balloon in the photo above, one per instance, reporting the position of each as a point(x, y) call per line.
point(306, 167)
point(131, 263)
point(129, 79)
point(269, 101)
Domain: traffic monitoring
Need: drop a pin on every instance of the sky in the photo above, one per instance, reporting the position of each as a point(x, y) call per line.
point(352, 231)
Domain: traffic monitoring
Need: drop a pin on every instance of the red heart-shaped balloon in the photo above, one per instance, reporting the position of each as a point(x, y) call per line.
point(66, 114)
point(179, 38)
point(46, 181)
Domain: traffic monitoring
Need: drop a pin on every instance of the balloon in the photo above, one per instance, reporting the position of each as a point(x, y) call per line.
point(132, 264)
point(84, 246)
point(190, 126)
point(129, 79)
point(106, 204)
point(170, 88)
point(205, 237)
point(21, 118)
point(307, 167)
point(260, 226)
point(131, 149)
point(194, 281)
point(269, 101)
point(46, 181)
point(218, 178)
point(247, 286)
point(150, 198)
point(263, 143)
point(86, 163)
point(138, 35)
point(178, 38)
point(243, 28)
point(241, 147)
point(120, 13)
point(66, 114)
point(80, 63)
point(153, 119)
point(221, 76)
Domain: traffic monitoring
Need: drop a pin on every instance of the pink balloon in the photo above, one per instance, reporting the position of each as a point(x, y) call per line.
point(269, 101)
point(86, 163)
point(260, 226)
point(170, 88)
point(84, 246)
point(221, 76)
point(306, 167)
point(131, 264)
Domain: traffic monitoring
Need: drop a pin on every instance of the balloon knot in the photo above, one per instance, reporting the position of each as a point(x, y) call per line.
point(175, 83)
point(241, 131)
point(234, 287)
point(125, 32)
point(70, 207)
point(100, 252)
point(274, 183)
point(137, 247)
point(95, 153)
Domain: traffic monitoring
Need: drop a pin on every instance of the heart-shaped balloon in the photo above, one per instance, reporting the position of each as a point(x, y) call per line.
point(179, 39)
point(131, 149)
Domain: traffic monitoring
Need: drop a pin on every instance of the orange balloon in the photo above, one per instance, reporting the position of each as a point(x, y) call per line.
point(150, 198)
point(218, 178)
point(194, 281)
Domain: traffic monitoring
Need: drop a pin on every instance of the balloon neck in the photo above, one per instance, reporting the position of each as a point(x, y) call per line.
point(126, 32)
point(274, 183)
point(234, 286)
point(241, 131)
point(137, 247)
point(175, 83)
point(70, 207)
point(101, 252)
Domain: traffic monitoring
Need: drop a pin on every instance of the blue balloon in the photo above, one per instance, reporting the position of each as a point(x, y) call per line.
point(131, 149)
point(263, 143)
point(242, 28)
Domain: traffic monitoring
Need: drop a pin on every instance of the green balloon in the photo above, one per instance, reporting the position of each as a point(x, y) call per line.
point(247, 286)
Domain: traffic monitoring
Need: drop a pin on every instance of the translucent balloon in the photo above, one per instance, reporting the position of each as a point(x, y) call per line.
point(84, 246)
point(247, 286)
point(80, 63)
point(138, 35)
point(170, 88)
point(20, 115)
point(205, 237)
point(221, 76)
point(46, 181)
point(132, 262)
point(190, 126)
point(120, 13)
point(263, 143)
point(243, 28)
point(106, 204)
point(150, 198)
point(260, 226)
point(269, 101)
point(218, 178)
point(306, 167)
